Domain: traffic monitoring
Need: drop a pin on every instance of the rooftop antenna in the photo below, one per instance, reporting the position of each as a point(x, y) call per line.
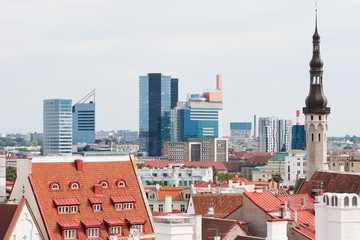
point(89, 95)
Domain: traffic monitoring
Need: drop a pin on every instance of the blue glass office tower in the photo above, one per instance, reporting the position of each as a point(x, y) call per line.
point(83, 115)
point(57, 127)
point(298, 137)
point(157, 95)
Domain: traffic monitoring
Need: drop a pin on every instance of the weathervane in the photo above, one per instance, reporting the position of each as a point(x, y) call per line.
point(316, 5)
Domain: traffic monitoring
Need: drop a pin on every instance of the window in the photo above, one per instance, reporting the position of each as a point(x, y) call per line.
point(96, 207)
point(74, 185)
point(93, 232)
point(319, 137)
point(161, 208)
point(139, 227)
point(70, 234)
point(104, 183)
point(154, 174)
point(165, 174)
point(346, 201)
point(298, 164)
point(118, 206)
point(120, 183)
point(63, 209)
point(333, 164)
point(54, 186)
point(116, 229)
point(182, 207)
point(74, 208)
point(319, 117)
point(352, 164)
point(179, 174)
point(128, 206)
point(151, 195)
point(289, 177)
point(288, 168)
point(312, 137)
point(151, 207)
point(187, 195)
point(354, 201)
point(312, 117)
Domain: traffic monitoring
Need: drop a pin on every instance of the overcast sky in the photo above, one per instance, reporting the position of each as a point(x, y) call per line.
point(66, 48)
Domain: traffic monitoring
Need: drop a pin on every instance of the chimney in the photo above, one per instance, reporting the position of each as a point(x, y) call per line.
point(113, 236)
point(79, 165)
point(297, 117)
point(316, 194)
point(211, 209)
point(342, 168)
point(98, 189)
point(168, 204)
point(219, 82)
point(230, 184)
point(285, 214)
point(303, 201)
point(289, 201)
point(277, 229)
point(326, 167)
point(2, 178)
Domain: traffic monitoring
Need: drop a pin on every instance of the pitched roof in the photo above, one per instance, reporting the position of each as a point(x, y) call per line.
point(330, 181)
point(248, 238)
point(122, 199)
point(7, 212)
point(63, 172)
point(264, 200)
point(297, 200)
point(212, 227)
point(219, 165)
point(175, 192)
point(224, 203)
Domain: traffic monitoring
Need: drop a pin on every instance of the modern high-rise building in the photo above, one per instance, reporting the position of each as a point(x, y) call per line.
point(199, 117)
point(157, 95)
point(57, 127)
point(240, 129)
point(298, 137)
point(316, 113)
point(285, 134)
point(83, 114)
point(268, 134)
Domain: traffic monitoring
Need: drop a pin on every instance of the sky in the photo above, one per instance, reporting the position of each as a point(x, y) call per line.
point(66, 48)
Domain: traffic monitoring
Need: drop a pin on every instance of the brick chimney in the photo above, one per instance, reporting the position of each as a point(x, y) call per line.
point(79, 165)
point(98, 189)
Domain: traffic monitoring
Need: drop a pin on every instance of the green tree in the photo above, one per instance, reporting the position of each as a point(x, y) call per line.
point(215, 172)
point(10, 174)
point(277, 178)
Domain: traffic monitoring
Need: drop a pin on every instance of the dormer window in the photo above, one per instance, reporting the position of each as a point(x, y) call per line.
point(69, 229)
point(123, 202)
point(67, 205)
point(120, 183)
point(54, 186)
point(74, 185)
point(114, 225)
point(104, 183)
point(96, 203)
point(91, 227)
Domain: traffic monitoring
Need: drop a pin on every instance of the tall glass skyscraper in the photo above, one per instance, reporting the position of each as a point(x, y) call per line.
point(83, 123)
point(298, 137)
point(157, 94)
point(57, 127)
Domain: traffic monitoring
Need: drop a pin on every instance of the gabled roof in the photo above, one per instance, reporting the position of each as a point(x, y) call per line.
point(7, 213)
point(212, 227)
point(297, 200)
point(93, 171)
point(219, 165)
point(175, 192)
point(265, 200)
point(224, 203)
point(330, 181)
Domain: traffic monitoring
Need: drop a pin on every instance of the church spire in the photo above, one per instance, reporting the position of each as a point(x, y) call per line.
point(316, 101)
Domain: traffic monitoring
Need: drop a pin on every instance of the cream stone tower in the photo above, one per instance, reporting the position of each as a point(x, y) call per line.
point(316, 113)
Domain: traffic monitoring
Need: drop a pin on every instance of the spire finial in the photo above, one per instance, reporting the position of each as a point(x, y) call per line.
point(316, 10)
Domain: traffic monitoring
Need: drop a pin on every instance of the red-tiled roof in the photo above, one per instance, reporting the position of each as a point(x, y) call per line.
point(135, 220)
point(94, 200)
point(212, 227)
point(175, 192)
point(219, 165)
point(122, 199)
point(68, 224)
point(66, 201)
point(8, 183)
point(91, 223)
point(203, 184)
point(7, 212)
point(305, 224)
point(239, 179)
point(330, 181)
point(224, 203)
point(296, 201)
point(113, 221)
point(265, 200)
point(64, 172)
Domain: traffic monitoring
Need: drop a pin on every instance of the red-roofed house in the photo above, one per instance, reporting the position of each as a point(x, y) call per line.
point(258, 208)
point(87, 198)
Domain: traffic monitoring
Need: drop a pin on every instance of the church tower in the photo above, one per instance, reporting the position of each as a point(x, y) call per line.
point(316, 113)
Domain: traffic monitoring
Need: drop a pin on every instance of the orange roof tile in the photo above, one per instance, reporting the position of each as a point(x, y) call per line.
point(224, 203)
point(66, 201)
point(122, 199)
point(296, 201)
point(64, 172)
point(94, 200)
point(264, 200)
point(175, 192)
point(135, 220)
point(68, 224)
point(113, 221)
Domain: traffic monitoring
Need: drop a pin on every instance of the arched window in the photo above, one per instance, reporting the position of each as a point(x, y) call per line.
point(327, 200)
point(346, 201)
point(324, 200)
point(312, 137)
point(120, 183)
point(312, 117)
point(319, 117)
point(354, 201)
point(333, 201)
point(54, 186)
point(319, 137)
point(74, 185)
point(104, 183)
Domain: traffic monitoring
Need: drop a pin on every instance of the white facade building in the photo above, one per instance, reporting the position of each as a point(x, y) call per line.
point(268, 134)
point(295, 167)
point(337, 217)
point(285, 134)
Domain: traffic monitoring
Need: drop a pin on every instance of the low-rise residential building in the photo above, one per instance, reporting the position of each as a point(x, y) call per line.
point(158, 195)
point(91, 197)
point(197, 150)
point(175, 176)
point(295, 167)
point(220, 166)
point(227, 229)
point(275, 165)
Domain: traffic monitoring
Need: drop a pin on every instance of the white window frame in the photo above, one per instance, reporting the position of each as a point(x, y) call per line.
point(92, 232)
point(70, 234)
point(96, 207)
point(127, 206)
point(118, 206)
point(55, 186)
point(151, 195)
point(63, 209)
point(115, 229)
point(75, 185)
point(104, 184)
point(138, 226)
point(74, 208)
point(121, 184)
